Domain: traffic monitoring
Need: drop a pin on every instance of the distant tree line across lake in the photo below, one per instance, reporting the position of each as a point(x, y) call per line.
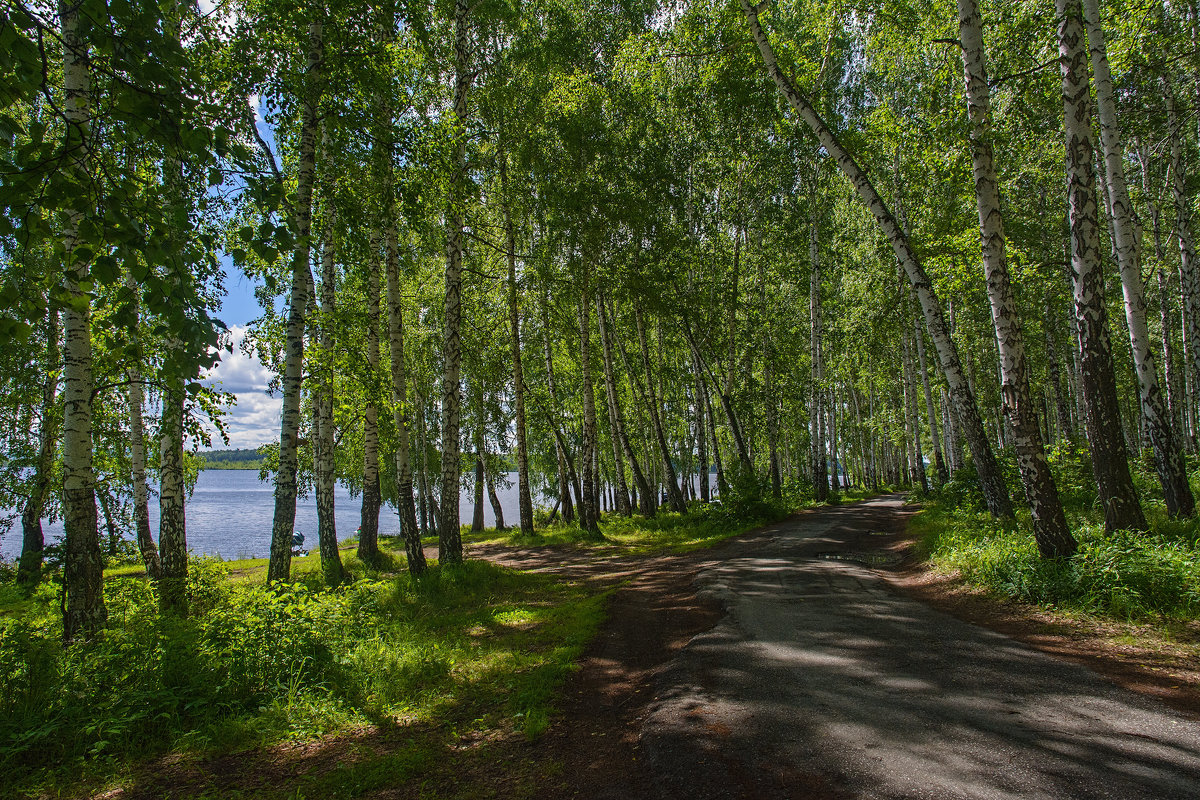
point(243, 458)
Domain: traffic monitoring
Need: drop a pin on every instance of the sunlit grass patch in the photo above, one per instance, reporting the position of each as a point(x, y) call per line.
point(480, 645)
point(666, 532)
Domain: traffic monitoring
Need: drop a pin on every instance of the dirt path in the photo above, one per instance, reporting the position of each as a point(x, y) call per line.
point(821, 681)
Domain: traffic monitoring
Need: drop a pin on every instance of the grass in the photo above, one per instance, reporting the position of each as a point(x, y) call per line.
point(1130, 576)
point(482, 646)
point(464, 654)
point(666, 532)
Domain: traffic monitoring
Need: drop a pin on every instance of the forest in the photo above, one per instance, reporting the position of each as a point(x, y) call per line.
point(814, 249)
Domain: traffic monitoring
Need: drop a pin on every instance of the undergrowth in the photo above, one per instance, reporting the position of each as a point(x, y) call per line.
point(1127, 575)
point(705, 525)
point(255, 665)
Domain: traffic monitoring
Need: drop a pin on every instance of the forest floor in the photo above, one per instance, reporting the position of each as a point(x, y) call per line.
point(814, 658)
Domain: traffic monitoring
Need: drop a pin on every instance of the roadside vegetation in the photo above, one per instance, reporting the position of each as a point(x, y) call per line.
point(476, 647)
point(456, 653)
point(1139, 576)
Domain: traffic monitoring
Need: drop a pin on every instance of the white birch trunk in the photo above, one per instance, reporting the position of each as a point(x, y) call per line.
point(1110, 462)
point(280, 565)
point(449, 536)
point(83, 563)
point(1053, 537)
point(1172, 472)
point(400, 410)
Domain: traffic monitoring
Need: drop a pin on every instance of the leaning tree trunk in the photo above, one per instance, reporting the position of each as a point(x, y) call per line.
point(1050, 529)
point(991, 481)
point(368, 525)
point(83, 567)
point(1189, 270)
point(1172, 471)
point(1110, 463)
point(449, 536)
point(589, 513)
point(400, 411)
point(33, 542)
point(816, 411)
point(674, 496)
point(280, 565)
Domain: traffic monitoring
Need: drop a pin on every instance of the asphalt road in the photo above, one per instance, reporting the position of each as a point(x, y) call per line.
point(821, 682)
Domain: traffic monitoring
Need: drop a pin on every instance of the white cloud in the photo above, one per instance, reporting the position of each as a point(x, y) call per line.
point(253, 419)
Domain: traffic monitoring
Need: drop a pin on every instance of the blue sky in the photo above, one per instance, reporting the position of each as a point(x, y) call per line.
point(253, 420)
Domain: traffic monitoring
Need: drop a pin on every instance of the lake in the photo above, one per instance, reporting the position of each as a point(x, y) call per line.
point(229, 515)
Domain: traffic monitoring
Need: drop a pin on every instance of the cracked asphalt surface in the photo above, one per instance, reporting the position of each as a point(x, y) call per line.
point(822, 682)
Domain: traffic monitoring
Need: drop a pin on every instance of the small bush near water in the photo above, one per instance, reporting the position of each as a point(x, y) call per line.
point(254, 665)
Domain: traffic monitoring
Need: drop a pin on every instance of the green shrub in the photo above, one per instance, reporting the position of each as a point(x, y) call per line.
point(254, 664)
point(1127, 575)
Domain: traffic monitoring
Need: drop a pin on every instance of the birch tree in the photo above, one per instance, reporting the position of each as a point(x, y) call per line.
point(1110, 462)
point(1172, 472)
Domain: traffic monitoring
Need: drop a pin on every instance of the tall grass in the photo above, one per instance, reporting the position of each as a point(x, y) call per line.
point(255, 665)
point(1127, 575)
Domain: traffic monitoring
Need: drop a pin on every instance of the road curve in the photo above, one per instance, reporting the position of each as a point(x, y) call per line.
point(822, 682)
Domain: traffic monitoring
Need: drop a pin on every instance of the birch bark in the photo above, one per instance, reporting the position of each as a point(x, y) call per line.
point(83, 568)
point(1169, 461)
point(279, 566)
point(674, 496)
point(1050, 529)
point(134, 396)
point(589, 513)
point(524, 499)
point(816, 414)
point(331, 560)
point(449, 536)
point(368, 525)
point(1110, 462)
point(616, 422)
point(33, 543)
point(1189, 270)
point(564, 484)
point(401, 416)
